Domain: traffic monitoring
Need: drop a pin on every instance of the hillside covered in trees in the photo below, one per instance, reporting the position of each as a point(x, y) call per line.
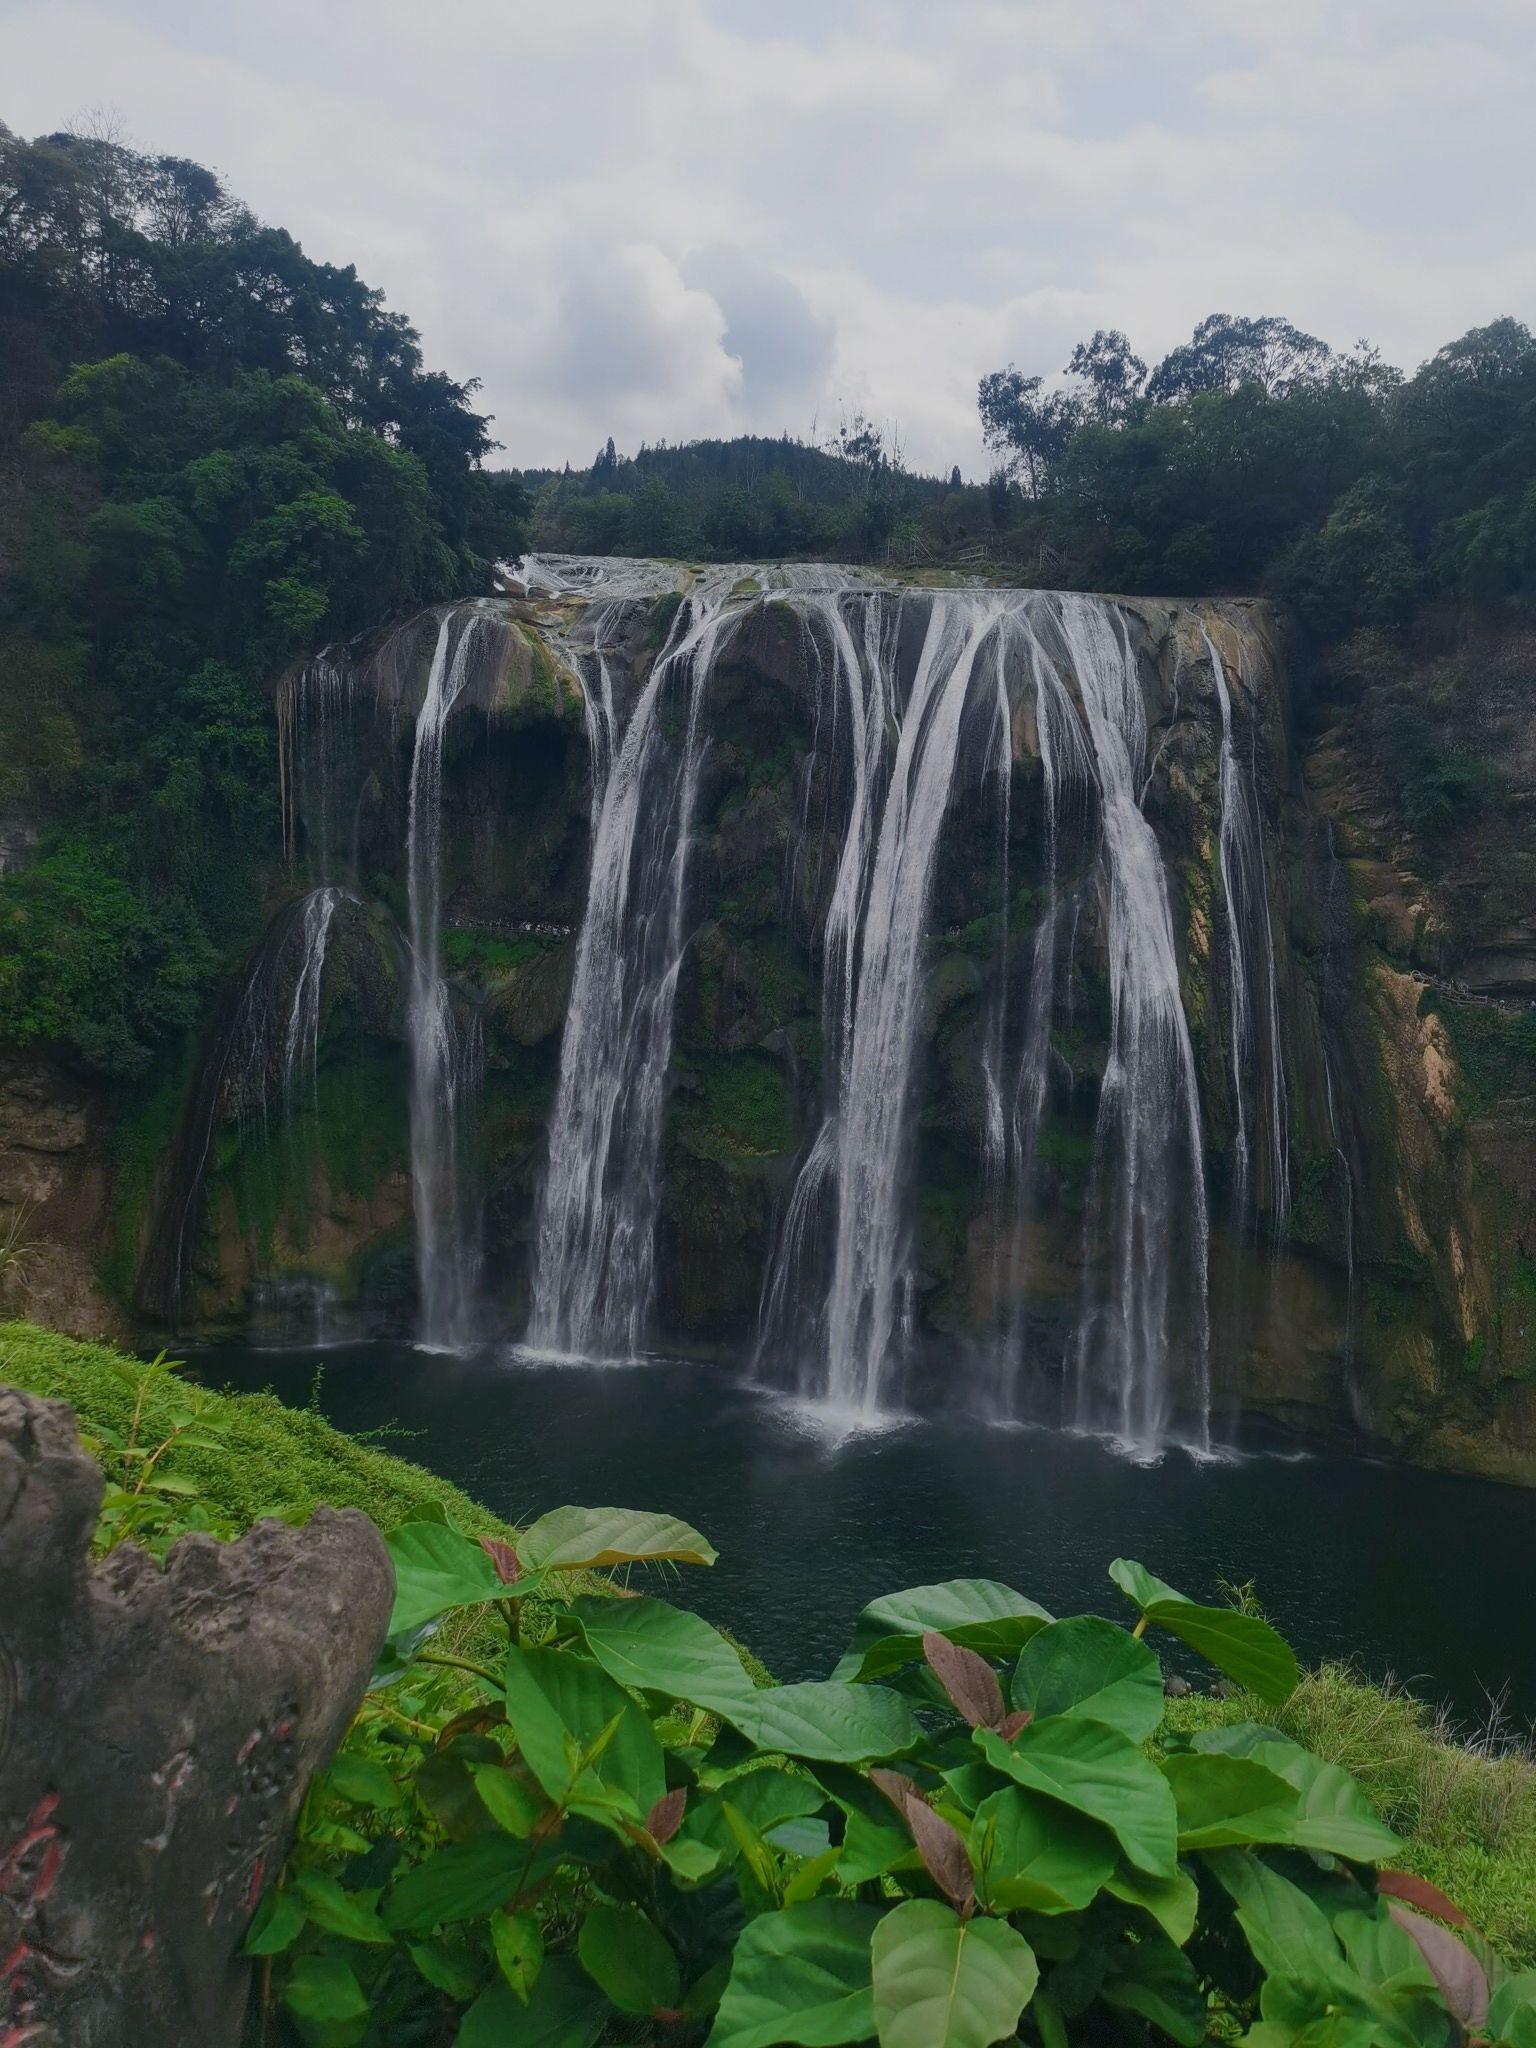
point(215, 455)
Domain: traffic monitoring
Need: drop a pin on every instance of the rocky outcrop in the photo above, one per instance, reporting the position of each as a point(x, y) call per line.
point(157, 1732)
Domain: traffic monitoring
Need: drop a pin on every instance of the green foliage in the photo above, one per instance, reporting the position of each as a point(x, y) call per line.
point(528, 1839)
point(609, 1830)
point(218, 455)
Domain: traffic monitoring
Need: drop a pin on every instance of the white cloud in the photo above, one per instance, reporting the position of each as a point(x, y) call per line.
point(675, 217)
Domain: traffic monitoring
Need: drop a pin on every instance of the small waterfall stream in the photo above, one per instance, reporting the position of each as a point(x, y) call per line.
point(445, 1053)
point(1252, 978)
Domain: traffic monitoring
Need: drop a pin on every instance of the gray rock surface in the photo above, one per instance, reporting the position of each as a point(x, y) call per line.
point(157, 1731)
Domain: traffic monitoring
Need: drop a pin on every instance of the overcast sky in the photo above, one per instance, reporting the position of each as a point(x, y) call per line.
point(669, 218)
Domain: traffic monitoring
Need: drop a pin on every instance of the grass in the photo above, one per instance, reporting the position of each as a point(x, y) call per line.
point(271, 1460)
point(1466, 1809)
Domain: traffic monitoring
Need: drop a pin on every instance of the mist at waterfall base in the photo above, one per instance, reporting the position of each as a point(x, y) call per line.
point(1417, 1574)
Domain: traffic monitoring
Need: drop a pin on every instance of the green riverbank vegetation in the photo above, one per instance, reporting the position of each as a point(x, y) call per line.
point(567, 1816)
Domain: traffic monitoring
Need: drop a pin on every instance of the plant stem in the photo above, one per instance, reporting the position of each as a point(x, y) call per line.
point(459, 1664)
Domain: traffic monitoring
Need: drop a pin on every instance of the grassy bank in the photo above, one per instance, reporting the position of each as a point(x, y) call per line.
point(270, 1460)
point(1467, 1812)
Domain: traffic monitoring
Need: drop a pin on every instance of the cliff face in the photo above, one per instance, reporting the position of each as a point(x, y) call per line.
point(1372, 1241)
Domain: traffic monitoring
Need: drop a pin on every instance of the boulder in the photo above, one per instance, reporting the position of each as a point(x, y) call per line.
point(157, 1731)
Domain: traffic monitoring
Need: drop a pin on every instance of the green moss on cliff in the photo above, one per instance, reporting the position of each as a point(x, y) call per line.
point(739, 1109)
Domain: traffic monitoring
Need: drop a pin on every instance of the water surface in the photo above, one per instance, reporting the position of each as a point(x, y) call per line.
point(1430, 1577)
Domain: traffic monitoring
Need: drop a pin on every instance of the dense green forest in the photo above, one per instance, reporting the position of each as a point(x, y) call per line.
point(215, 455)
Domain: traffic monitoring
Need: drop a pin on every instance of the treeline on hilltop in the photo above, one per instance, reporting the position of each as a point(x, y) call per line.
point(1253, 458)
point(215, 455)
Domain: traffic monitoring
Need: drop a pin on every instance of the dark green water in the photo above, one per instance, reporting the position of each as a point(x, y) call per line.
point(1431, 1578)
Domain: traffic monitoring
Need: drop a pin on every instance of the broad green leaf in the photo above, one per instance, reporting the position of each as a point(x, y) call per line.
point(510, 1801)
point(1173, 1902)
point(827, 1721)
point(1288, 1933)
point(1154, 1979)
point(1227, 1801)
point(564, 2010)
point(560, 1705)
point(1034, 1855)
point(1512, 2011)
point(339, 1911)
point(627, 1958)
point(573, 1539)
point(943, 1982)
point(447, 1969)
point(323, 1991)
point(1143, 1588)
point(364, 1782)
point(437, 1568)
point(519, 1947)
point(763, 1799)
point(1088, 1666)
point(800, 1976)
point(461, 1882)
point(1246, 1648)
point(980, 1613)
point(1333, 1813)
point(279, 1919)
point(653, 1647)
point(1236, 1738)
point(1100, 1772)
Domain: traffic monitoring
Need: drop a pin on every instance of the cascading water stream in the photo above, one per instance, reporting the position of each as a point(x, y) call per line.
point(594, 1256)
point(301, 1034)
point(445, 1056)
point(1147, 1207)
point(1064, 766)
point(1240, 857)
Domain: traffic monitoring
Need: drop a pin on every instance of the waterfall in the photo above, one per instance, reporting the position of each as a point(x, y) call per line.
point(301, 1035)
point(1240, 859)
point(445, 1056)
point(594, 1255)
point(264, 1045)
point(1147, 1207)
point(846, 1352)
point(1064, 766)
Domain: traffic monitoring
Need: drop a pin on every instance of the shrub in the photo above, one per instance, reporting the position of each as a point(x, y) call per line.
point(980, 1827)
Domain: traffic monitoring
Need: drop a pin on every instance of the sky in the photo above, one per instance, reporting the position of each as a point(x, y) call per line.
point(661, 219)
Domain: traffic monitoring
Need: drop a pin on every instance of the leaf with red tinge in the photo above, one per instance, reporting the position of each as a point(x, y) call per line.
point(504, 1557)
point(1417, 1891)
point(969, 1680)
point(666, 1816)
point(945, 1856)
point(1463, 1983)
point(1014, 1724)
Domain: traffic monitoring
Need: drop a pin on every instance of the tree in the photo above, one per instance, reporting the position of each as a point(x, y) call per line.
point(1227, 351)
point(1027, 425)
point(1112, 371)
